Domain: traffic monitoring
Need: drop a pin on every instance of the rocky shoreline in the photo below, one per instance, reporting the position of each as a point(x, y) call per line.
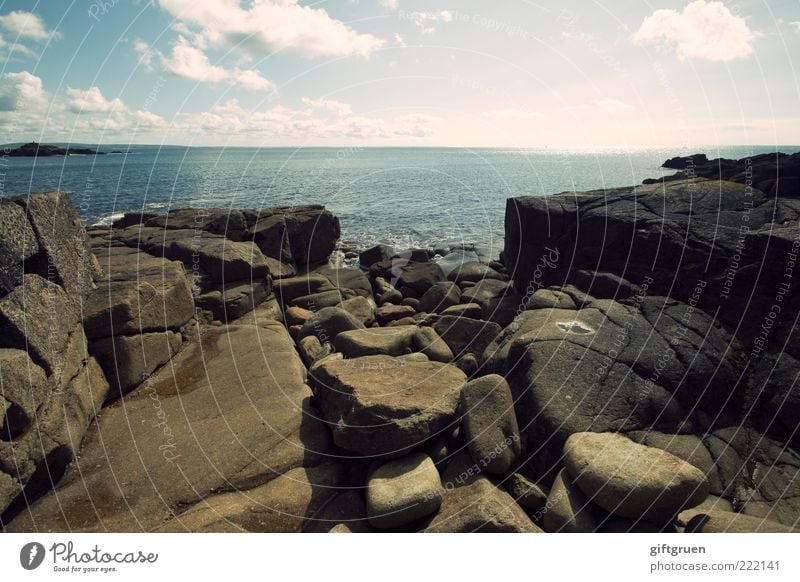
point(626, 365)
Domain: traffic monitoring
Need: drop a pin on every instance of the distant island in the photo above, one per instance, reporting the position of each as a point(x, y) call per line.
point(34, 149)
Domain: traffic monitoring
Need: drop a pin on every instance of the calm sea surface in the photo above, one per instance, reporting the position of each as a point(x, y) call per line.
point(433, 197)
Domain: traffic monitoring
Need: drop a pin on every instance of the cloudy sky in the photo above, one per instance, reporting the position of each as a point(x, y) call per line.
point(510, 73)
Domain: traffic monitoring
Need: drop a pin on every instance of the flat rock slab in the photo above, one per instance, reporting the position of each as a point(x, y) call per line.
point(231, 411)
point(286, 504)
point(379, 405)
point(632, 480)
point(387, 341)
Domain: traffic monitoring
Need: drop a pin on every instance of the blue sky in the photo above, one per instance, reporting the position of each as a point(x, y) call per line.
point(515, 73)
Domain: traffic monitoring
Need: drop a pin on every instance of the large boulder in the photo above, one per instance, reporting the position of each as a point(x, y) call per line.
point(655, 364)
point(17, 244)
point(632, 480)
point(141, 293)
point(65, 257)
point(379, 405)
point(403, 490)
point(473, 271)
point(39, 317)
point(303, 234)
point(489, 424)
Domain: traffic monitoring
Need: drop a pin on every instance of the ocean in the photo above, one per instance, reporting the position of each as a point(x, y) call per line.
point(407, 197)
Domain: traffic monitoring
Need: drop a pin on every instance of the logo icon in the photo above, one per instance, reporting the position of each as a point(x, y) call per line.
point(31, 555)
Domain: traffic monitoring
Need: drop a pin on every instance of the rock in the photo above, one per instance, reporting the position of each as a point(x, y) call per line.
point(347, 508)
point(388, 313)
point(9, 489)
point(687, 447)
point(284, 505)
point(468, 364)
point(224, 261)
point(324, 299)
point(439, 297)
point(329, 322)
point(711, 503)
point(287, 290)
point(24, 391)
point(692, 227)
point(65, 254)
point(681, 163)
point(503, 310)
point(297, 315)
point(386, 292)
point(471, 310)
point(17, 244)
point(632, 480)
point(759, 474)
point(527, 494)
point(612, 367)
point(473, 271)
point(361, 308)
point(466, 336)
point(394, 341)
point(129, 360)
point(220, 417)
point(411, 302)
point(379, 405)
point(374, 255)
point(232, 300)
point(303, 234)
point(489, 424)
point(568, 510)
point(417, 276)
point(311, 350)
point(38, 317)
point(402, 491)
point(427, 341)
point(140, 293)
point(350, 279)
point(485, 291)
point(471, 503)
point(727, 522)
point(550, 299)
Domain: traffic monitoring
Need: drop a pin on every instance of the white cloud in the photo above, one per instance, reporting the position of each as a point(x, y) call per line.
point(335, 107)
point(25, 25)
point(427, 21)
point(92, 101)
point(703, 30)
point(146, 54)
point(230, 118)
point(21, 91)
point(795, 25)
point(389, 4)
point(189, 62)
point(263, 26)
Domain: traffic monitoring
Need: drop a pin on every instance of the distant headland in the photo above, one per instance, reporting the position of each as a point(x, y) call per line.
point(33, 150)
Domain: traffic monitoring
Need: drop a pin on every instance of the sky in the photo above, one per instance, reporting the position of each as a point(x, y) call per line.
point(465, 73)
